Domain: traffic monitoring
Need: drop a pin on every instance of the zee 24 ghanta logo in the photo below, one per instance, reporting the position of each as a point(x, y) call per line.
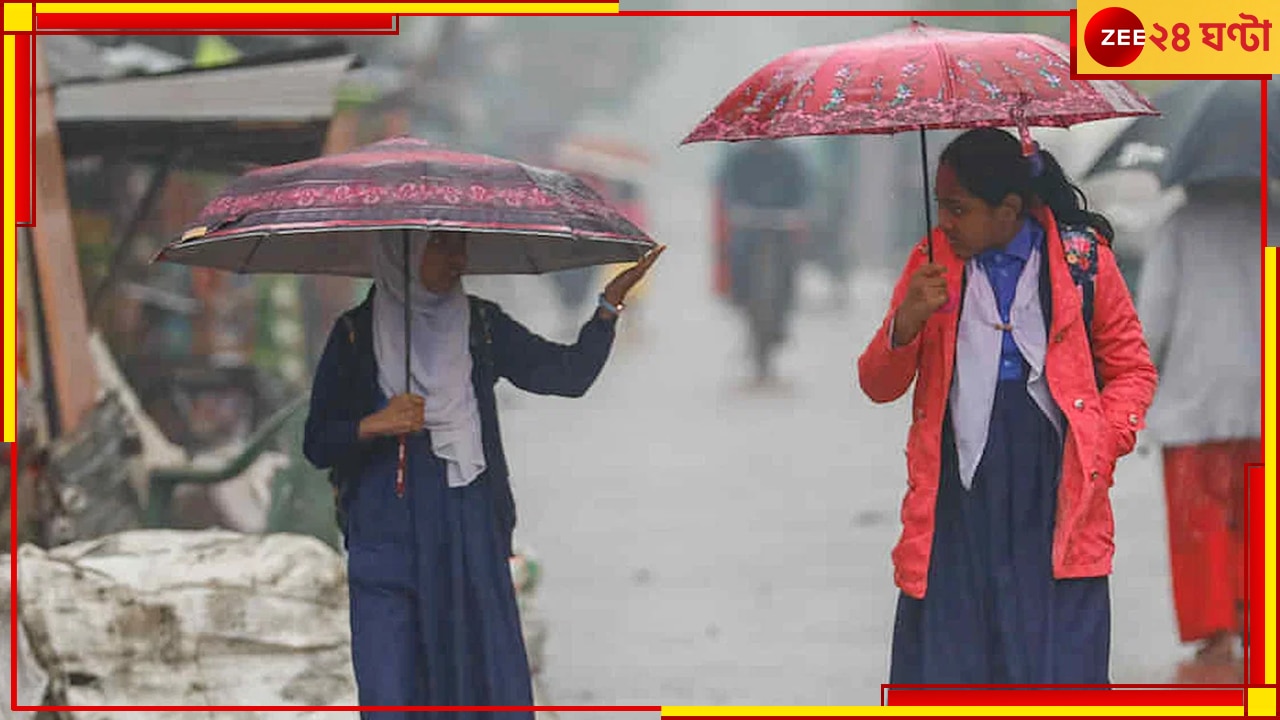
point(1115, 37)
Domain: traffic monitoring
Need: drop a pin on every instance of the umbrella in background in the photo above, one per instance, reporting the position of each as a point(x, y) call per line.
point(918, 78)
point(323, 216)
point(1211, 130)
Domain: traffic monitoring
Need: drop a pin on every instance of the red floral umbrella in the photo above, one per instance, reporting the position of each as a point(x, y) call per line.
point(918, 78)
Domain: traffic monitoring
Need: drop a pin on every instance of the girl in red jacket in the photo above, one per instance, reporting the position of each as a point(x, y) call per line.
point(1019, 414)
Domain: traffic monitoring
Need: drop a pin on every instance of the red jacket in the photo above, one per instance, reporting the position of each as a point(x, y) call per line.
point(1102, 426)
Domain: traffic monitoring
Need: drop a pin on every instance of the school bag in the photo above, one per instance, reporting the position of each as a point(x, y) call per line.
point(1080, 246)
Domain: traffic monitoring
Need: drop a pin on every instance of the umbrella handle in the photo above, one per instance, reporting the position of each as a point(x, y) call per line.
point(928, 203)
point(400, 468)
point(408, 293)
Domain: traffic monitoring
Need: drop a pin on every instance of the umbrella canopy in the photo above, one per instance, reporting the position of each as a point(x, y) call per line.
point(1211, 130)
point(318, 216)
point(917, 78)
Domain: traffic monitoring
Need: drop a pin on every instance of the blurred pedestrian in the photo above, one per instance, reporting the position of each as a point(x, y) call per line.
point(1032, 378)
point(434, 619)
point(763, 194)
point(1200, 299)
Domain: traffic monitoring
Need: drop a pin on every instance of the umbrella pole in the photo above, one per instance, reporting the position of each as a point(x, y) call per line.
point(408, 291)
point(408, 351)
point(928, 205)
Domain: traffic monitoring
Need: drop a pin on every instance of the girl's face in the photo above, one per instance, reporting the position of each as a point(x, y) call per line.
point(443, 261)
point(970, 224)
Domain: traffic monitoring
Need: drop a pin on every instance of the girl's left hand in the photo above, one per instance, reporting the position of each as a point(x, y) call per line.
point(616, 291)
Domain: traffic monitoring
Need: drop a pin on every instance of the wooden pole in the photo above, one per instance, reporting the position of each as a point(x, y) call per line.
point(74, 377)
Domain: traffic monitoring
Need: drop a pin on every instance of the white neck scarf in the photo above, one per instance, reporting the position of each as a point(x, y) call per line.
point(440, 360)
point(979, 344)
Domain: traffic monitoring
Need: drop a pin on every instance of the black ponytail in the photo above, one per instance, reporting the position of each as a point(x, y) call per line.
point(1066, 200)
point(989, 163)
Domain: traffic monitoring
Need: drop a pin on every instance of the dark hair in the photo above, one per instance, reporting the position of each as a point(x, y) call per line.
point(989, 163)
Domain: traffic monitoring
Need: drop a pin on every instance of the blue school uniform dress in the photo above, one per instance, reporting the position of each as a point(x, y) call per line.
point(993, 612)
point(434, 619)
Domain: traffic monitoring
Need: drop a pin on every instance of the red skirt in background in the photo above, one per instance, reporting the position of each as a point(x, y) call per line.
point(1205, 494)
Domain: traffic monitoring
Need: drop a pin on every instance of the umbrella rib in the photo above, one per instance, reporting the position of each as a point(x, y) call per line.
point(803, 78)
point(948, 92)
point(533, 264)
point(249, 258)
point(524, 242)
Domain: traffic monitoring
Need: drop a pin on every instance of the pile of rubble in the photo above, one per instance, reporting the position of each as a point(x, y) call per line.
point(164, 617)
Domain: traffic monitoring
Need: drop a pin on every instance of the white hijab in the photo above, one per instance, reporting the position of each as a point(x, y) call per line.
point(440, 363)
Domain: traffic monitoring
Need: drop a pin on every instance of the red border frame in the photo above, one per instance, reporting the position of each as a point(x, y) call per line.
point(273, 23)
point(378, 24)
point(1255, 618)
point(1048, 695)
point(25, 113)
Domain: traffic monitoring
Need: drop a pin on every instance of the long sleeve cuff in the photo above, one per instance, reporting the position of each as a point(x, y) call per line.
point(893, 346)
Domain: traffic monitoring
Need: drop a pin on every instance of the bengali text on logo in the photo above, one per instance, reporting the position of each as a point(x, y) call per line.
point(1158, 37)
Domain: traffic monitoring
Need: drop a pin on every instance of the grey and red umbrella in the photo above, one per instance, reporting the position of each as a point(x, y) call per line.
point(918, 78)
point(324, 216)
point(315, 216)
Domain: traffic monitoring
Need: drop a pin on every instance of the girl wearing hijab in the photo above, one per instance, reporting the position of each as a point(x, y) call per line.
point(1022, 406)
point(434, 619)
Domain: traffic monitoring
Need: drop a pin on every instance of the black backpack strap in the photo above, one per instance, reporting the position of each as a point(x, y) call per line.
point(1086, 294)
point(337, 473)
point(482, 332)
point(348, 318)
point(350, 326)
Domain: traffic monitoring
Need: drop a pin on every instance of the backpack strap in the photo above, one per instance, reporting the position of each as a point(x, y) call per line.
point(337, 475)
point(350, 326)
point(1080, 245)
point(482, 333)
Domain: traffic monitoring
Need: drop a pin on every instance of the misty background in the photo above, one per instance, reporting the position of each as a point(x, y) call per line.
point(702, 542)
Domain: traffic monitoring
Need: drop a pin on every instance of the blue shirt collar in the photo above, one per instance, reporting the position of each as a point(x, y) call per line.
point(1029, 236)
